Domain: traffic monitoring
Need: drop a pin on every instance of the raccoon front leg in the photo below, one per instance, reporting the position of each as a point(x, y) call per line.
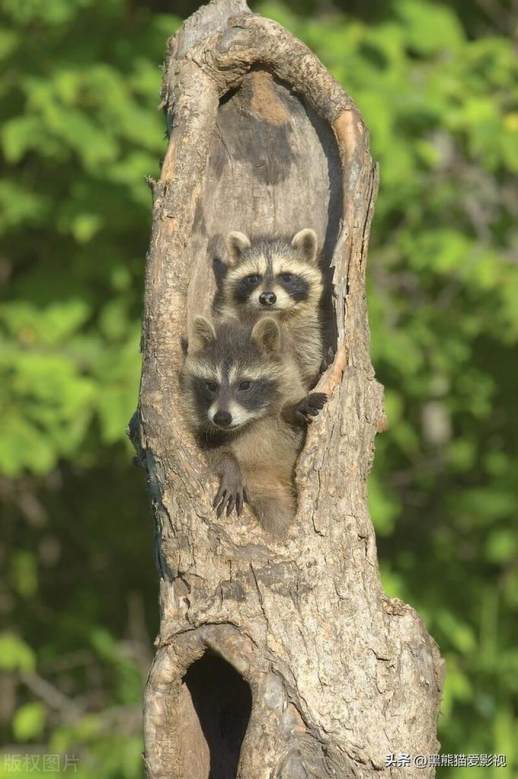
point(232, 492)
point(275, 513)
point(302, 413)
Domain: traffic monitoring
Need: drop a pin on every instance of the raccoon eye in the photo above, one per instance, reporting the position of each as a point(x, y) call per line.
point(245, 385)
point(211, 386)
point(286, 276)
point(253, 278)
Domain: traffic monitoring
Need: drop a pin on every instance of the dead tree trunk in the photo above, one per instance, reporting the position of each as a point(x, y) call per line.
point(277, 658)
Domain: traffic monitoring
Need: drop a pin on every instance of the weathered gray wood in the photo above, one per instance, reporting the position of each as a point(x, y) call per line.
point(264, 140)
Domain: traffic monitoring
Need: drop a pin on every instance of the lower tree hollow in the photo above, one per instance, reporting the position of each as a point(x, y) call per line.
point(222, 701)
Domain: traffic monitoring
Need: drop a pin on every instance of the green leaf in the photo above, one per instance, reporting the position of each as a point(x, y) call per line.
point(15, 654)
point(24, 573)
point(29, 721)
point(502, 546)
point(19, 136)
point(429, 27)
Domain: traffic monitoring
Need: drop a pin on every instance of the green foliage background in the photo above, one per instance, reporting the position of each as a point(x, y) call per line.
point(437, 83)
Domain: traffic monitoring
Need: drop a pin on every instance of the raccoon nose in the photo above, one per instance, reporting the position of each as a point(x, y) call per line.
point(222, 418)
point(267, 298)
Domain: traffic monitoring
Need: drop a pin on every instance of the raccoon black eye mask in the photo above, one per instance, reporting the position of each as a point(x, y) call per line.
point(296, 286)
point(292, 283)
point(244, 287)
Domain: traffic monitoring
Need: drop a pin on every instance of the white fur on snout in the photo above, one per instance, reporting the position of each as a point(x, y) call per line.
point(253, 300)
point(213, 410)
point(240, 415)
point(283, 300)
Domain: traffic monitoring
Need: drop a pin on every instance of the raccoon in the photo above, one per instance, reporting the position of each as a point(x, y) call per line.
point(280, 279)
point(248, 408)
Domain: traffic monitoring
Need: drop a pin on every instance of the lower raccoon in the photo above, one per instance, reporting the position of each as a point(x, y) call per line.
point(248, 409)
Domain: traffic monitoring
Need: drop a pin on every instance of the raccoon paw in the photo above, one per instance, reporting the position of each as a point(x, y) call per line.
point(311, 405)
point(231, 494)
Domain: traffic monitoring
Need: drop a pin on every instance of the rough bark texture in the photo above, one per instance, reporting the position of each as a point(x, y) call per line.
point(276, 659)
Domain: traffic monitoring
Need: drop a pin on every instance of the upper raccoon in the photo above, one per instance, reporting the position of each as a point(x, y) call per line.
point(281, 279)
point(248, 407)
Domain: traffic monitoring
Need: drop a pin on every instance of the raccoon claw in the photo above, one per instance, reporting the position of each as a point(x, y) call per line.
point(311, 406)
point(230, 496)
point(241, 499)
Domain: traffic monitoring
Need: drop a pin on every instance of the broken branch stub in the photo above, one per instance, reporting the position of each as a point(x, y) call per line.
point(277, 658)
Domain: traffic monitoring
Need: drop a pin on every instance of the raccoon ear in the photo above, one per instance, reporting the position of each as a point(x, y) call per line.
point(267, 335)
point(203, 333)
point(305, 242)
point(236, 245)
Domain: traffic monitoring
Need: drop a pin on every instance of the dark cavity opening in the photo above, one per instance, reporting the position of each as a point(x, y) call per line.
point(223, 702)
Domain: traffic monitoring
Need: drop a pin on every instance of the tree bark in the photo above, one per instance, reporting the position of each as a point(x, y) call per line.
point(277, 658)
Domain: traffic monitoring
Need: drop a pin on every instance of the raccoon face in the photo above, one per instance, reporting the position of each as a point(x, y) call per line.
point(274, 276)
point(232, 373)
